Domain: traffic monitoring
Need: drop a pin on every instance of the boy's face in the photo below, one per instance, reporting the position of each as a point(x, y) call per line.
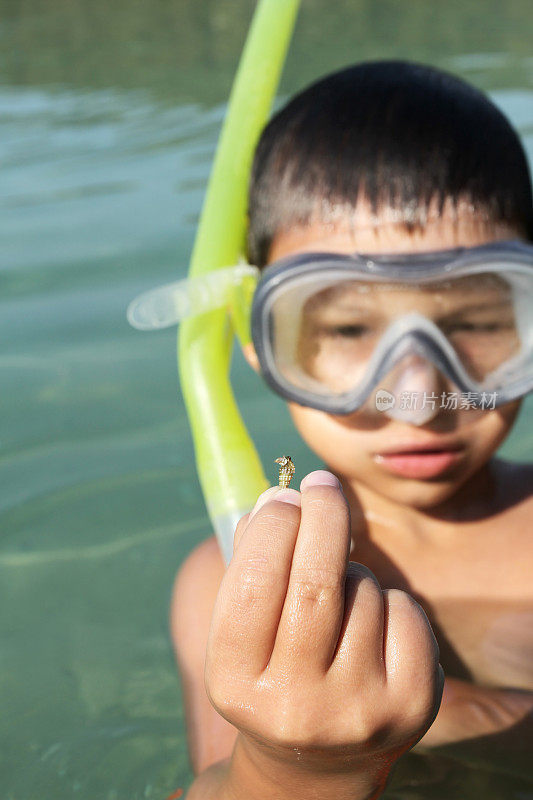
point(358, 446)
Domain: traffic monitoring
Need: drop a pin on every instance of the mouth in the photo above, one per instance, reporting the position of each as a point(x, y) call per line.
point(428, 459)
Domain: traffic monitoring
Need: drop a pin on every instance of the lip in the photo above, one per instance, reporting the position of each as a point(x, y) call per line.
point(421, 447)
point(420, 459)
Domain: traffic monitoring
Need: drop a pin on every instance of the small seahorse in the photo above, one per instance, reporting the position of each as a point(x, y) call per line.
point(286, 470)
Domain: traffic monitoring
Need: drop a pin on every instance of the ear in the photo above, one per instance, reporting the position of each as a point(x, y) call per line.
point(251, 356)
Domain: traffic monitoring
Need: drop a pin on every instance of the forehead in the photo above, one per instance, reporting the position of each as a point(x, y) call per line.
point(466, 292)
point(365, 232)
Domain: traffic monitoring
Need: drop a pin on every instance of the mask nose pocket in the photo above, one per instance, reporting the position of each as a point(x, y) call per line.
point(415, 385)
point(410, 371)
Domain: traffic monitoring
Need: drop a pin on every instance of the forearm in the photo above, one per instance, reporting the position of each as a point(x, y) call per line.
point(493, 727)
point(250, 775)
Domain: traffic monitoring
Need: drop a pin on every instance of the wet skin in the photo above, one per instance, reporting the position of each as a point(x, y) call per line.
point(451, 540)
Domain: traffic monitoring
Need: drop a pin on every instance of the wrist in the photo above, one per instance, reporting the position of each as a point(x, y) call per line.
point(256, 773)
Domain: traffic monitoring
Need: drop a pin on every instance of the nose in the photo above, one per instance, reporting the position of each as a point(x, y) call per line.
point(415, 384)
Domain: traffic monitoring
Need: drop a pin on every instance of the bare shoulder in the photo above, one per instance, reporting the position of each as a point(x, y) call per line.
point(194, 594)
point(515, 487)
point(515, 482)
point(206, 559)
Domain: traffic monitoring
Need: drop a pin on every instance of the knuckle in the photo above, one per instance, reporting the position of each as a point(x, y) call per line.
point(371, 728)
point(216, 697)
point(282, 730)
point(228, 690)
point(254, 582)
point(416, 712)
point(311, 594)
point(292, 726)
point(224, 702)
point(217, 690)
point(317, 585)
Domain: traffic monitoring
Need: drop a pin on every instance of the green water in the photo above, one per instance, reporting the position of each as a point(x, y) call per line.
point(109, 114)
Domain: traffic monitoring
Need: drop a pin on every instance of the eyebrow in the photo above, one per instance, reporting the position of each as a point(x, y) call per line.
point(340, 307)
point(479, 307)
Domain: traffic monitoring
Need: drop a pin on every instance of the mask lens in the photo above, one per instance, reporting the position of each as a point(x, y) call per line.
point(325, 333)
point(478, 317)
point(339, 330)
point(323, 336)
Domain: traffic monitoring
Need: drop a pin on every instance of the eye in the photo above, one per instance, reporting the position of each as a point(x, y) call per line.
point(349, 331)
point(473, 327)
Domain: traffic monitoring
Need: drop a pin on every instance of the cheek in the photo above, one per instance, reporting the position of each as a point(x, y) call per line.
point(310, 424)
point(493, 427)
point(349, 449)
point(341, 448)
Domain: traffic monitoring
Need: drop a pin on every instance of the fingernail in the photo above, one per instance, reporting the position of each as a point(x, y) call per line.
point(288, 496)
point(319, 477)
point(275, 493)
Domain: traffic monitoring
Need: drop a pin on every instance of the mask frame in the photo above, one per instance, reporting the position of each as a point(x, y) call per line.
point(411, 333)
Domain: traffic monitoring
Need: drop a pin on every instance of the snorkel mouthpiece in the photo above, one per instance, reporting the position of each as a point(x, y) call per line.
point(228, 287)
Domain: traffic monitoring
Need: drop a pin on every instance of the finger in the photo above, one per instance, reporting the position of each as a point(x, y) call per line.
point(314, 605)
point(251, 595)
point(239, 530)
point(359, 649)
point(411, 651)
point(263, 498)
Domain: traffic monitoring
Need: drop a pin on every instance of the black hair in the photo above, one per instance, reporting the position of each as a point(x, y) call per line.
point(396, 134)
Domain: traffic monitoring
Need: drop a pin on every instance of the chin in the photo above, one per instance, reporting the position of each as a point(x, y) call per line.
point(422, 495)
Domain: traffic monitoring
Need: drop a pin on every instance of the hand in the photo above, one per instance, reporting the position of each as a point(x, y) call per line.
point(324, 675)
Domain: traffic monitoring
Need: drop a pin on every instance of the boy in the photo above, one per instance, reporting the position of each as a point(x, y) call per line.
point(322, 672)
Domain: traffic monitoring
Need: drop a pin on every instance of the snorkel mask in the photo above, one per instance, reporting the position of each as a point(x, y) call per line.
point(339, 332)
point(331, 331)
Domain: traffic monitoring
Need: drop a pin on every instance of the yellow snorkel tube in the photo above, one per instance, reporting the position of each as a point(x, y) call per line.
point(228, 466)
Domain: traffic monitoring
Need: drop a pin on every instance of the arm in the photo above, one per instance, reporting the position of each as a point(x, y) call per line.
point(210, 738)
point(489, 727)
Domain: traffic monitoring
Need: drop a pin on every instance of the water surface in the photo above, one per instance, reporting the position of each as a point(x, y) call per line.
point(109, 115)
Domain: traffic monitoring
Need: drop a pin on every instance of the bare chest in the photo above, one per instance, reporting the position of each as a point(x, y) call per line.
point(479, 602)
point(487, 641)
